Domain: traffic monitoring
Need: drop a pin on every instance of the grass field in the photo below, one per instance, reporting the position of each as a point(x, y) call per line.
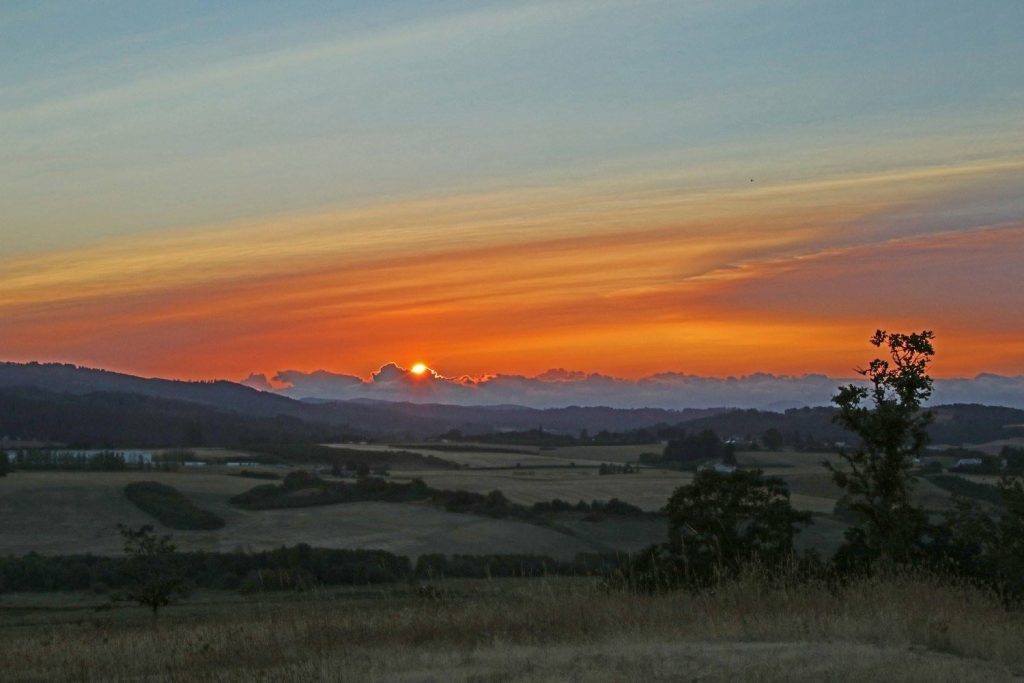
point(527, 456)
point(895, 628)
point(64, 512)
point(77, 512)
point(599, 454)
point(484, 458)
point(648, 489)
point(899, 628)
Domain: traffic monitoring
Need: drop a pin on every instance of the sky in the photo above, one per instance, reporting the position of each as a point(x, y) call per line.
point(213, 189)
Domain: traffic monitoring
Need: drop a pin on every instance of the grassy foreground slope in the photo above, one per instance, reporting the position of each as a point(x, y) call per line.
point(896, 628)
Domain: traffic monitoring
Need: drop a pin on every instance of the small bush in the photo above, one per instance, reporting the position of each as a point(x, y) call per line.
point(170, 507)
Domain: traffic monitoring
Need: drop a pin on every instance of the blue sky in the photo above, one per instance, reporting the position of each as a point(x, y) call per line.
point(152, 115)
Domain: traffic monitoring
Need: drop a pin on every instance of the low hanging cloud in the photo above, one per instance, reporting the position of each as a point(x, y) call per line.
point(559, 387)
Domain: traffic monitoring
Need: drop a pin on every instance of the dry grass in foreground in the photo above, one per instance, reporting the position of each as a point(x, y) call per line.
point(897, 628)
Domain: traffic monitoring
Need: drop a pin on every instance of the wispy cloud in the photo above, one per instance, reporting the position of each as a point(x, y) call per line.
point(783, 278)
point(437, 32)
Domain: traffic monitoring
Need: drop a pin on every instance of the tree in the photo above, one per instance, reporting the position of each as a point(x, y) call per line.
point(5, 465)
point(718, 524)
point(151, 564)
point(694, 448)
point(772, 439)
point(723, 521)
point(986, 544)
point(888, 417)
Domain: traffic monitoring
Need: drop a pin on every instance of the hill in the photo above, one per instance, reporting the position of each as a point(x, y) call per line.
point(957, 424)
point(85, 398)
point(122, 420)
point(70, 404)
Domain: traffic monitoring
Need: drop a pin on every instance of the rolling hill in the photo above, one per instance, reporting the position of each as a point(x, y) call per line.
point(69, 404)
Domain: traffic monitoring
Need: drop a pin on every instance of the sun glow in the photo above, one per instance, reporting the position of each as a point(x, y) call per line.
point(418, 369)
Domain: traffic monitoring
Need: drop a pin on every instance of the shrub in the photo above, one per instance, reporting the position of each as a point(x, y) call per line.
point(170, 506)
point(316, 491)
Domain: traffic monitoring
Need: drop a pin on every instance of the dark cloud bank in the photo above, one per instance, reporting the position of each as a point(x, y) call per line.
point(558, 388)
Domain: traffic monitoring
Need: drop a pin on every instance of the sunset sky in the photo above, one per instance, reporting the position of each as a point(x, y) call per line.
point(196, 189)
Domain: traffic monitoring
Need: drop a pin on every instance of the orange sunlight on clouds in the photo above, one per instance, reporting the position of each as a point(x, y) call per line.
point(786, 278)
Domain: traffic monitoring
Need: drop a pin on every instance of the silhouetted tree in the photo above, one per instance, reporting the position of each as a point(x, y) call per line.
point(156, 581)
point(888, 418)
point(772, 439)
point(693, 448)
point(721, 521)
point(718, 524)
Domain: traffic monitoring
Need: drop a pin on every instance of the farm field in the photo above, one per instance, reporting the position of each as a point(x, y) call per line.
point(901, 628)
point(77, 512)
point(474, 458)
point(215, 454)
point(994, 447)
point(490, 455)
point(70, 512)
point(648, 489)
point(599, 454)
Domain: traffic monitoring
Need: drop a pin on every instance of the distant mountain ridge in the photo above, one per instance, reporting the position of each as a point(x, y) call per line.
point(372, 418)
point(73, 379)
point(70, 404)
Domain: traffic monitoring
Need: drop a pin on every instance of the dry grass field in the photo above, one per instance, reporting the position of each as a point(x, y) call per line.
point(899, 628)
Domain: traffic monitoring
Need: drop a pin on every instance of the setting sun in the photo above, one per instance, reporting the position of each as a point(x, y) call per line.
point(418, 369)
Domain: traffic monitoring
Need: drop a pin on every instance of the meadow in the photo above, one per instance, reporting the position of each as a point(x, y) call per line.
point(76, 512)
point(63, 512)
point(907, 627)
point(903, 627)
